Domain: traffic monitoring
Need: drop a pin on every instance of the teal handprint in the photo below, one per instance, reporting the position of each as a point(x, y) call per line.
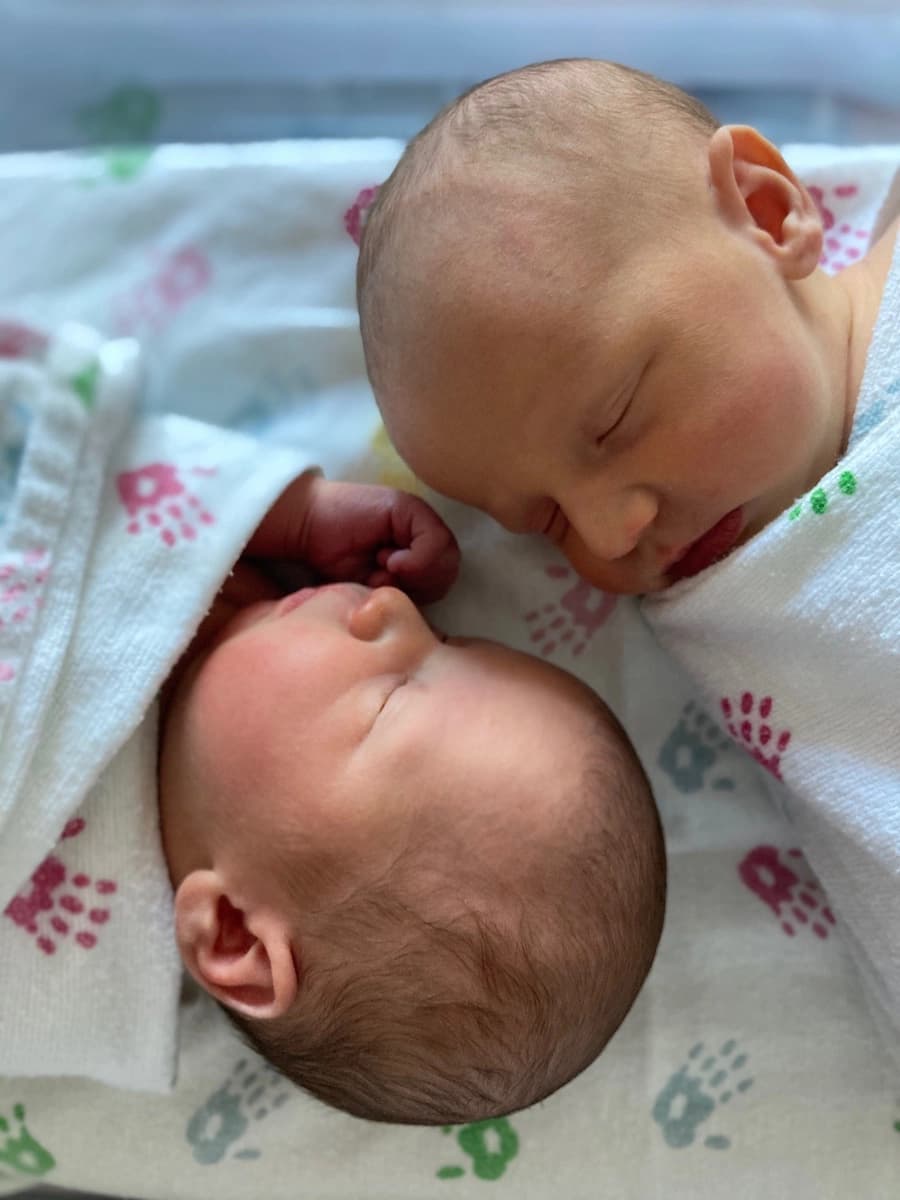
point(692, 1093)
point(249, 1093)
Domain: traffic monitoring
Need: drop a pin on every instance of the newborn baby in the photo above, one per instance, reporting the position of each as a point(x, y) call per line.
point(424, 875)
point(599, 316)
point(392, 850)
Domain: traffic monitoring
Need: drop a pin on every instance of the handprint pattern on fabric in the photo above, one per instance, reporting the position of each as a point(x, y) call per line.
point(844, 240)
point(20, 1150)
point(251, 1091)
point(151, 305)
point(749, 723)
point(59, 902)
point(570, 621)
point(788, 888)
point(491, 1145)
point(156, 498)
point(696, 1090)
point(23, 578)
point(692, 750)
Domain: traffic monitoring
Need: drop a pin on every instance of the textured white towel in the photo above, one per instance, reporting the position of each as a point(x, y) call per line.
point(117, 535)
point(796, 639)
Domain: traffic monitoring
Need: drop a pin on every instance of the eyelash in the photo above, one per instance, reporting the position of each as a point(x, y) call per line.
point(601, 437)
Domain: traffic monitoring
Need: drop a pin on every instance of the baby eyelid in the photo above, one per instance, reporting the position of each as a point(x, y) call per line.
point(618, 421)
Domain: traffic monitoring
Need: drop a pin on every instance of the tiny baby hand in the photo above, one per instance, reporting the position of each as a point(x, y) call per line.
point(361, 532)
point(377, 536)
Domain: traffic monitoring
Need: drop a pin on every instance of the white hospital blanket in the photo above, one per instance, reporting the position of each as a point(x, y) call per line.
point(749, 1066)
point(795, 640)
point(116, 534)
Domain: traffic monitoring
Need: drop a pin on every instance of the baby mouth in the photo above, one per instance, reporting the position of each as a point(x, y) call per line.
point(304, 595)
point(709, 548)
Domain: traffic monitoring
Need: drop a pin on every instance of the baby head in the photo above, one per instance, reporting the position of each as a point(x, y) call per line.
point(595, 314)
point(425, 875)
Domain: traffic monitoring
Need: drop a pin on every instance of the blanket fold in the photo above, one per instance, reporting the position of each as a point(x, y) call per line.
point(796, 639)
point(118, 532)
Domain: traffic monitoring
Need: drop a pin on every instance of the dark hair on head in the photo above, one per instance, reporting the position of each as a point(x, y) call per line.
point(418, 1007)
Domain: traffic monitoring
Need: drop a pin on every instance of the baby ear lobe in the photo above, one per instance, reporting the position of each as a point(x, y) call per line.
point(758, 194)
point(242, 957)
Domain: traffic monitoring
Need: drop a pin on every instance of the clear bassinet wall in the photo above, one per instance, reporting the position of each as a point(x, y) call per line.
point(99, 72)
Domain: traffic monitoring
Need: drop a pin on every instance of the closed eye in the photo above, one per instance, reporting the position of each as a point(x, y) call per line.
point(628, 396)
point(601, 437)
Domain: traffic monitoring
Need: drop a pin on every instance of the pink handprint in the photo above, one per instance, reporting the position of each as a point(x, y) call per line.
point(156, 494)
point(33, 910)
point(750, 728)
point(22, 579)
point(788, 895)
point(844, 241)
point(573, 619)
point(179, 278)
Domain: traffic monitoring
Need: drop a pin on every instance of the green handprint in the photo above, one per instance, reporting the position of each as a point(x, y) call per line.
point(23, 1152)
point(490, 1144)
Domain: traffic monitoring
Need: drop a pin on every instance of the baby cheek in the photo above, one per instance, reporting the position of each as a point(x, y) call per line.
point(227, 712)
point(762, 413)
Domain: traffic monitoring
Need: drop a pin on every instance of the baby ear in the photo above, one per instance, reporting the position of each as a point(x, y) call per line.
point(758, 193)
point(243, 958)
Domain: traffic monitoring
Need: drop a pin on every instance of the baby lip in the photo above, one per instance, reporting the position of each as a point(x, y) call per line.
point(709, 548)
point(296, 599)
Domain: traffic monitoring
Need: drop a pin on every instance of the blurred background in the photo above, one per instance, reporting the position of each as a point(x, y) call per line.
point(114, 72)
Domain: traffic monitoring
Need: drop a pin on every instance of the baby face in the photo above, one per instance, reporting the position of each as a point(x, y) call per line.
point(646, 425)
point(328, 718)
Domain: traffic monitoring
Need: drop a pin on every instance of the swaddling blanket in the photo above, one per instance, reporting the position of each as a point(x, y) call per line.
point(115, 535)
point(796, 638)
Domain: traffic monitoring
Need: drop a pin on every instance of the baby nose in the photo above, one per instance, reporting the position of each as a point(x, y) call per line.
point(614, 529)
point(386, 608)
